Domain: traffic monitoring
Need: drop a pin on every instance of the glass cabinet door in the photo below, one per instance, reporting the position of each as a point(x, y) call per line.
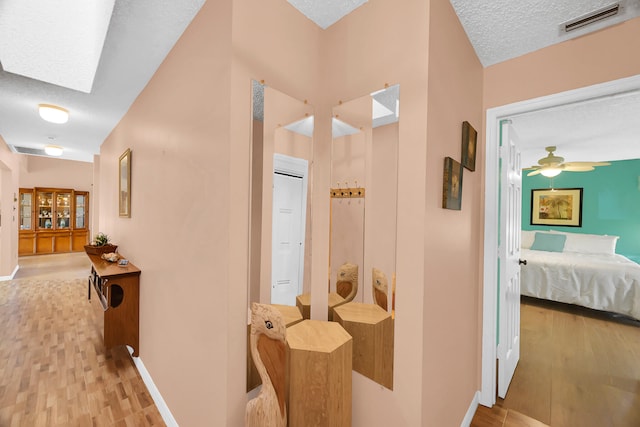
point(81, 201)
point(63, 210)
point(26, 205)
point(45, 209)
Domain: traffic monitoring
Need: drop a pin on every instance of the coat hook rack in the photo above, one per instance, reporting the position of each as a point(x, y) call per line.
point(347, 192)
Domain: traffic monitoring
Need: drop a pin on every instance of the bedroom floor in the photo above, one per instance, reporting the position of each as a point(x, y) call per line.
point(578, 367)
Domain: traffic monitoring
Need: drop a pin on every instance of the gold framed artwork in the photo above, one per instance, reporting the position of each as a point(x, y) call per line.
point(452, 184)
point(559, 206)
point(469, 140)
point(124, 184)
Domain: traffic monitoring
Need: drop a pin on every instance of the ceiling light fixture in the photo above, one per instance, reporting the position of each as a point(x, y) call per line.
point(550, 172)
point(53, 150)
point(53, 113)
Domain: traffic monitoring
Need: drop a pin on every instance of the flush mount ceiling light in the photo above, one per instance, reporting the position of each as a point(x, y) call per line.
point(53, 113)
point(53, 150)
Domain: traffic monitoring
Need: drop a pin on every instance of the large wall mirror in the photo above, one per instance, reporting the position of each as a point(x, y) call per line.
point(280, 221)
point(364, 176)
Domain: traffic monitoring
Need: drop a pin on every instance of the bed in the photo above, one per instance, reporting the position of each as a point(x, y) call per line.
point(581, 269)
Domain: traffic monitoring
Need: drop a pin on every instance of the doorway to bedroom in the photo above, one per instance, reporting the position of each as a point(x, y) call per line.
point(492, 321)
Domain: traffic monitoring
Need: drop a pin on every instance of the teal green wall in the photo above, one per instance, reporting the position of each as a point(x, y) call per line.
point(610, 202)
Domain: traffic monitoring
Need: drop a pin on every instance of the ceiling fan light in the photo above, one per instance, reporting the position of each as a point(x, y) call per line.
point(53, 113)
point(550, 172)
point(53, 150)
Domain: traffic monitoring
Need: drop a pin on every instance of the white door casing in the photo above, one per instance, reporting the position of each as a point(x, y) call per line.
point(509, 256)
point(492, 207)
point(288, 228)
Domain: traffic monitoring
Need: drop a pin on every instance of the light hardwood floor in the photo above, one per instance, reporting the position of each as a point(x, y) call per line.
point(54, 369)
point(578, 367)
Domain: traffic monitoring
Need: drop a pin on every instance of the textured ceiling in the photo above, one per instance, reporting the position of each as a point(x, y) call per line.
point(602, 129)
point(140, 35)
point(142, 32)
point(55, 42)
point(326, 12)
point(505, 29)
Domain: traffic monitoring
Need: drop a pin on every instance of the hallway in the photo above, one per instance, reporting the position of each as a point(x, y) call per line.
point(54, 370)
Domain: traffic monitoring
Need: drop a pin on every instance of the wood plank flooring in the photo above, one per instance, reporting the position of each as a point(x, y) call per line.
point(501, 417)
point(578, 367)
point(54, 370)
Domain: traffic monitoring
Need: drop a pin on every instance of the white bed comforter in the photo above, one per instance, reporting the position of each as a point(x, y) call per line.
point(601, 282)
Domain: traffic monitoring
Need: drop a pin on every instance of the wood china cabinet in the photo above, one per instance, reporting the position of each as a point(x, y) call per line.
point(53, 220)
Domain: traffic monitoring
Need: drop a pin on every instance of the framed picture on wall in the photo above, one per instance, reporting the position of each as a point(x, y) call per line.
point(559, 207)
point(452, 184)
point(469, 140)
point(124, 184)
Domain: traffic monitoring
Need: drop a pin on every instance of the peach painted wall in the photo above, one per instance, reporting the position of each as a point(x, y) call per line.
point(189, 132)
point(178, 233)
point(9, 184)
point(453, 238)
point(272, 42)
point(387, 42)
point(94, 200)
point(40, 171)
point(598, 57)
point(422, 46)
point(191, 171)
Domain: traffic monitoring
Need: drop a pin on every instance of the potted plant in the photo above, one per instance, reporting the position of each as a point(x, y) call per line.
point(100, 245)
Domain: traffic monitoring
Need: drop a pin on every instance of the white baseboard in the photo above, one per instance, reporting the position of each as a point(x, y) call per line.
point(166, 414)
point(466, 422)
point(10, 277)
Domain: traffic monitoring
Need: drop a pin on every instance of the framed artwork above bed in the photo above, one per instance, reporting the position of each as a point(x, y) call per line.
point(557, 206)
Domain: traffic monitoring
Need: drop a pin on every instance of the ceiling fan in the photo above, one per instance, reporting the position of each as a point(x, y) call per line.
point(553, 165)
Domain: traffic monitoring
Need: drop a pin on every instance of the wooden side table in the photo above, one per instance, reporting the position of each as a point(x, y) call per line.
point(372, 330)
point(319, 374)
point(117, 290)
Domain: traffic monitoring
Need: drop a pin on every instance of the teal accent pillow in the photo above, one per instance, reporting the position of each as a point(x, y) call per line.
point(548, 242)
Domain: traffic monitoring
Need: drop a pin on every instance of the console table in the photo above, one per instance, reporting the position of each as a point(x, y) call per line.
point(117, 290)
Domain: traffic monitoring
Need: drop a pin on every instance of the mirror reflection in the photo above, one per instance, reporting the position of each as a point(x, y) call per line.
point(363, 227)
point(281, 170)
point(280, 203)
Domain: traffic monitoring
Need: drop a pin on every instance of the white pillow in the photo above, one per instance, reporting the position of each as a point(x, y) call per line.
point(526, 238)
point(590, 243)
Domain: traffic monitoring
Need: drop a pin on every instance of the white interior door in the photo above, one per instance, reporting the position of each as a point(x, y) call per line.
point(288, 238)
point(509, 257)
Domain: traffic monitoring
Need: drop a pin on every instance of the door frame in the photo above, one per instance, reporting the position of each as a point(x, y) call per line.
point(296, 167)
point(491, 219)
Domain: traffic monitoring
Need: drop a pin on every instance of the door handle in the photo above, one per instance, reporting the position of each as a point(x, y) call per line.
point(522, 261)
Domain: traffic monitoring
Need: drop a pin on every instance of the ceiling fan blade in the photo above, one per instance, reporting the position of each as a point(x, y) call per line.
point(578, 168)
point(579, 164)
point(535, 172)
point(531, 168)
